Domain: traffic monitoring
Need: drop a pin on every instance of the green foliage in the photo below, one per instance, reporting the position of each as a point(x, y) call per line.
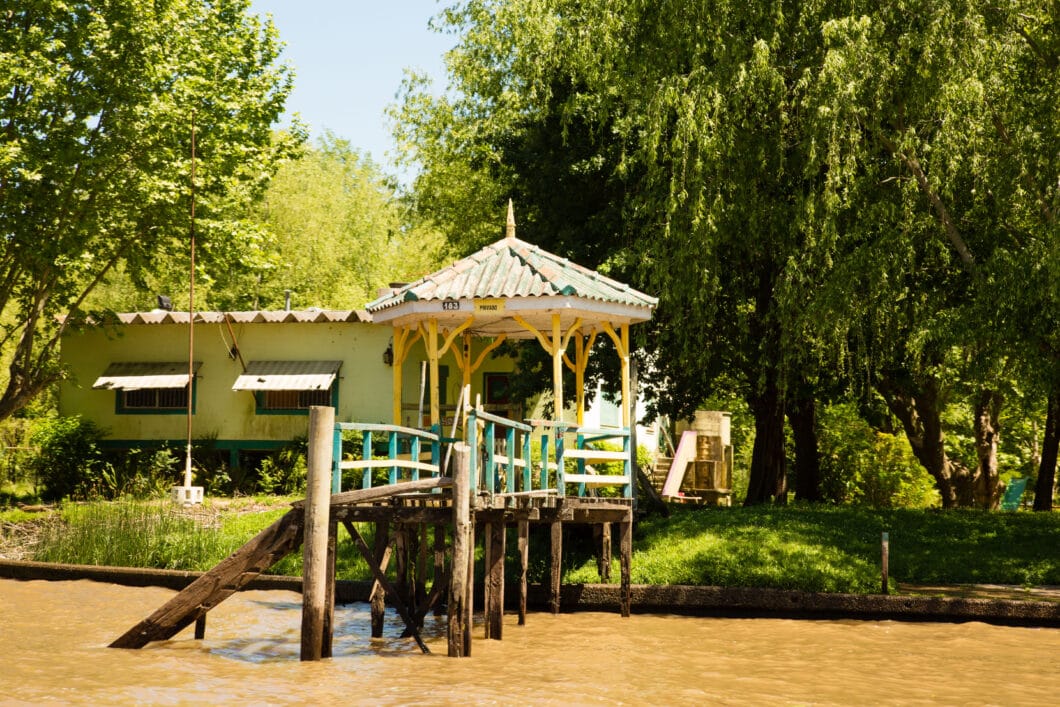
point(98, 110)
point(69, 463)
point(863, 466)
point(284, 472)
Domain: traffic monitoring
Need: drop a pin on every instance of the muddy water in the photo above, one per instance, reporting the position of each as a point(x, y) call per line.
point(53, 637)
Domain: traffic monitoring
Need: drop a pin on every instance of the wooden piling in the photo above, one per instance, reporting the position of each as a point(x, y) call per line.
point(459, 631)
point(524, 567)
point(200, 628)
point(377, 598)
point(626, 560)
point(555, 565)
point(317, 520)
point(329, 588)
point(439, 562)
point(495, 540)
point(603, 560)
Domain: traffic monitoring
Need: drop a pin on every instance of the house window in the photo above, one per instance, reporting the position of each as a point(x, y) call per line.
point(498, 388)
point(155, 399)
point(290, 387)
point(148, 387)
point(273, 400)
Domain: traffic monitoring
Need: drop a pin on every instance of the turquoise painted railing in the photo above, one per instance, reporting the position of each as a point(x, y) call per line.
point(514, 455)
point(583, 455)
point(397, 438)
point(501, 458)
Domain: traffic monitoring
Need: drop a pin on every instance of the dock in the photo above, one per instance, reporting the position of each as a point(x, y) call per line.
point(426, 526)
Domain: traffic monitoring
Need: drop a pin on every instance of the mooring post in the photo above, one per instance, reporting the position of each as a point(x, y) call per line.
point(317, 520)
point(459, 611)
point(885, 551)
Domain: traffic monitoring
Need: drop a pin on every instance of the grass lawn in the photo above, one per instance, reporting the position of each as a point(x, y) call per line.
point(829, 549)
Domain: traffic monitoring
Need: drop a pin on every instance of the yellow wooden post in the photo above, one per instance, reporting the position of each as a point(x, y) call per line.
point(432, 357)
point(579, 377)
point(627, 413)
point(466, 368)
point(557, 367)
point(399, 359)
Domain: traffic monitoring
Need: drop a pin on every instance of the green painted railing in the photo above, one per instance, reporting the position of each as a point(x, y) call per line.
point(397, 438)
point(501, 455)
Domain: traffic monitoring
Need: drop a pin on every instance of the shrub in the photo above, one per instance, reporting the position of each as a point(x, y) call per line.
point(284, 471)
point(862, 466)
point(69, 462)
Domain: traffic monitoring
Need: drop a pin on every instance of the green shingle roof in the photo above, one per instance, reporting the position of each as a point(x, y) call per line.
point(511, 268)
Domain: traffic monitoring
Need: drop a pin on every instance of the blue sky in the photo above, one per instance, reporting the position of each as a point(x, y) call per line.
point(349, 57)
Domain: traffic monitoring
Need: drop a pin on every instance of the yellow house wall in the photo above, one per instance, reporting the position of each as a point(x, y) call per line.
point(221, 413)
point(411, 373)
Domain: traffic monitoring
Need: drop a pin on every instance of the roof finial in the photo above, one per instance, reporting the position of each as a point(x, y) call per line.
point(509, 230)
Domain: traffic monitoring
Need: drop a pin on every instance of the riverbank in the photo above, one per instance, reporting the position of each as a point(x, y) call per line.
point(732, 602)
point(802, 548)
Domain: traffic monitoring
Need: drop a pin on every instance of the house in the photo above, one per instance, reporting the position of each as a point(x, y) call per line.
point(254, 376)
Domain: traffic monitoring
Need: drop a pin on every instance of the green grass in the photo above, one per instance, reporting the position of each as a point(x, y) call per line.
point(837, 549)
point(827, 549)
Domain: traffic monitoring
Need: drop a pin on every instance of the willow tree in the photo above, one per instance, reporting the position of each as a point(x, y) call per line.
point(96, 123)
point(938, 119)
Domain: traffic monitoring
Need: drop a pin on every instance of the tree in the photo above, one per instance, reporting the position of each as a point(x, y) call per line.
point(946, 113)
point(96, 122)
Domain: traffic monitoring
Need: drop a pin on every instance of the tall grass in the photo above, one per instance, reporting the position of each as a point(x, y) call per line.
point(130, 534)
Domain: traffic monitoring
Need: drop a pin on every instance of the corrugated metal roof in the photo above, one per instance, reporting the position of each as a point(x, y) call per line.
point(318, 316)
point(288, 375)
point(513, 268)
point(137, 375)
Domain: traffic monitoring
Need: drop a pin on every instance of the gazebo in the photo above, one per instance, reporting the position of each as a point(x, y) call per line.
point(512, 289)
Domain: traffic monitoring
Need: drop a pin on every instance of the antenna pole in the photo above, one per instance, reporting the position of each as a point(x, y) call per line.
point(191, 314)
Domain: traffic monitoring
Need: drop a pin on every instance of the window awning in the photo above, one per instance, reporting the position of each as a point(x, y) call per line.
point(288, 375)
point(137, 375)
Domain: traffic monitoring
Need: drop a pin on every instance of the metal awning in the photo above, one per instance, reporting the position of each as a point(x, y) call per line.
point(137, 375)
point(288, 375)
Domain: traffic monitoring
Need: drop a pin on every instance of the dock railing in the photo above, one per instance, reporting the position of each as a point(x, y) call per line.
point(584, 454)
point(397, 462)
point(498, 473)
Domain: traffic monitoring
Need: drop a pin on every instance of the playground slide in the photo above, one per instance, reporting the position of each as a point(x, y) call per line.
point(686, 452)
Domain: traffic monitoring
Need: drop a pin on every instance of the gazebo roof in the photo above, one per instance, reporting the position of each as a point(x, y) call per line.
point(512, 277)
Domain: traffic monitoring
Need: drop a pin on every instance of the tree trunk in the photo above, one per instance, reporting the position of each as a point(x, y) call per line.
point(768, 479)
point(917, 408)
point(987, 436)
point(1043, 489)
point(802, 415)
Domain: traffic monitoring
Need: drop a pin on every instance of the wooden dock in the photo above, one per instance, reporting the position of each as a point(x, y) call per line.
point(423, 550)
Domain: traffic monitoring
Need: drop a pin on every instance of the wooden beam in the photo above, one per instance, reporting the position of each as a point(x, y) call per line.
point(229, 576)
point(557, 369)
point(379, 492)
point(381, 578)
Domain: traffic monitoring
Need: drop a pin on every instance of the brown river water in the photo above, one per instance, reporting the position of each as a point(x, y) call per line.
point(53, 638)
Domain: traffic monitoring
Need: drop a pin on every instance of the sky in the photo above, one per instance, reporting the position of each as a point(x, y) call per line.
point(349, 58)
